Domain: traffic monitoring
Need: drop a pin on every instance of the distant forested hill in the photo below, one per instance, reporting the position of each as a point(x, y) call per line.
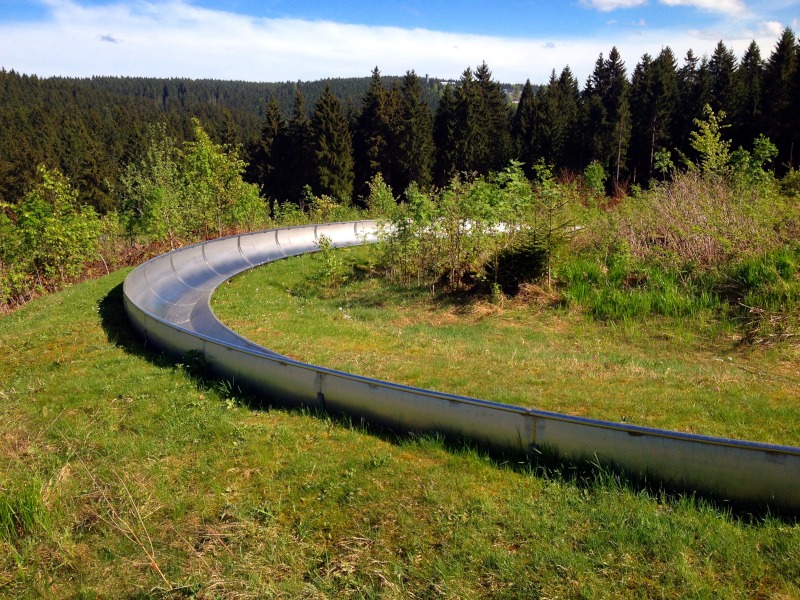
point(630, 123)
point(88, 128)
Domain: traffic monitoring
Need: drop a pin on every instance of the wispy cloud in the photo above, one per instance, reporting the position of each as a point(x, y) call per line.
point(609, 5)
point(722, 6)
point(175, 39)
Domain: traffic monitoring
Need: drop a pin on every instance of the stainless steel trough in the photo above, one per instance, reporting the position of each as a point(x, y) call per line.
point(168, 301)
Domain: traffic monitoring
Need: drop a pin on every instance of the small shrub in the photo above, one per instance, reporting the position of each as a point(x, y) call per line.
point(594, 177)
point(334, 269)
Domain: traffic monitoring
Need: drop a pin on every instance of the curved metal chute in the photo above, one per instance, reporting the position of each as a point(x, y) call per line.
point(168, 301)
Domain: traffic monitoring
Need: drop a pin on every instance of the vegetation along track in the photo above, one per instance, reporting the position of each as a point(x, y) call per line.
point(168, 301)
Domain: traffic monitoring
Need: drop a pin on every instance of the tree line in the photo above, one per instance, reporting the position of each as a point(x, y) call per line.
point(335, 135)
point(629, 129)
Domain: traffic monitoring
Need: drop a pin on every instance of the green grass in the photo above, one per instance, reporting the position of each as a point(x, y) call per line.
point(149, 482)
point(676, 373)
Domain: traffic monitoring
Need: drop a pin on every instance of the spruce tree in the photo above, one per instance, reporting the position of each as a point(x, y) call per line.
point(779, 93)
point(748, 119)
point(333, 148)
point(414, 155)
point(694, 88)
point(372, 143)
point(608, 115)
point(294, 154)
point(471, 140)
point(262, 164)
point(654, 102)
point(444, 137)
point(523, 126)
point(724, 84)
point(495, 112)
point(570, 151)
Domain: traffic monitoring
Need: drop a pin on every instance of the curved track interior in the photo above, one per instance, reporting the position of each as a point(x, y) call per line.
point(168, 301)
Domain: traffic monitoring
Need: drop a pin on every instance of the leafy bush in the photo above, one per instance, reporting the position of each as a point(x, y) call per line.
point(186, 193)
point(46, 239)
point(501, 229)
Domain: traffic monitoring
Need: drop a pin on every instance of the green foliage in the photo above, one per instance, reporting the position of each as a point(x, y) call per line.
point(46, 239)
point(594, 177)
point(155, 192)
point(188, 193)
point(334, 270)
point(790, 184)
point(289, 213)
point(707, 141)
point(380, 201)
point(498, 230)
point(662, 162)
point(749, 167)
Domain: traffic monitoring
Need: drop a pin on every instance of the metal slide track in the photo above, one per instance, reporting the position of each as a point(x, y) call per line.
point(168, 301)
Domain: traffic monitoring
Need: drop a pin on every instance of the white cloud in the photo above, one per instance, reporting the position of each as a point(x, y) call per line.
point(770, 28)
point(723, 6)
point(609, 5)
point(175, 39)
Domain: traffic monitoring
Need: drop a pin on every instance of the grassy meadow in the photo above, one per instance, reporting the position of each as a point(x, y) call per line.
point(124, 475)
point(678, 373)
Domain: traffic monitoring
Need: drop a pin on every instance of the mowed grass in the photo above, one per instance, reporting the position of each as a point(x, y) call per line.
point(123, 475)
point(687, 375)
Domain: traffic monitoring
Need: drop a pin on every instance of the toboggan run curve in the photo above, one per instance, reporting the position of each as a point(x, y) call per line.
point(168, 302)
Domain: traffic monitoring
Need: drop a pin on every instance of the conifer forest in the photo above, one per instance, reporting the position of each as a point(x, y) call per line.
point(117, 152)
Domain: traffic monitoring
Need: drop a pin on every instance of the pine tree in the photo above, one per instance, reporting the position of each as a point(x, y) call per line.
point(294, 154)
point(779, 92)
point(694, 88)
point(569, 152)
point(748, 120)
point(372, 143)
point(333, 148)
point(724, 84)
point(608, 116)
point(495, 112)
point(471, 141)
point(524, 125)
point(261, 168)
point(444, 137)
point(654, 101)
point(414, 155)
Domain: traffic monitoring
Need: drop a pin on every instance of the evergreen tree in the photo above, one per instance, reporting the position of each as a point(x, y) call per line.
point(724, 92)
point(608, 117)
point(694, 87)
point(261, 168)
point(444, 137)
point(372, 139)
point(524, 125)
point(495, 113)
point(414, 155)
point(333, 148)
point(471, 140)
point(654, 102)
point(294, 154)
point(569, 152)
point(748, 120)
point(779, 93)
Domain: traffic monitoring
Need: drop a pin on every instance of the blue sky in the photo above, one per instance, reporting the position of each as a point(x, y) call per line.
point(280, 40)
